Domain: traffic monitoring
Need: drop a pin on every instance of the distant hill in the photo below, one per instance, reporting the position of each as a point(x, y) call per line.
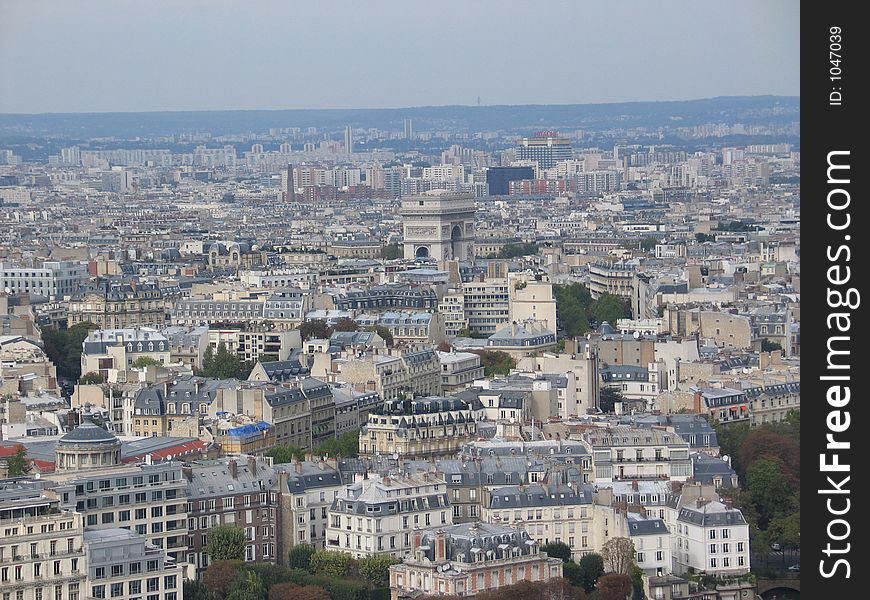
point(518, 119)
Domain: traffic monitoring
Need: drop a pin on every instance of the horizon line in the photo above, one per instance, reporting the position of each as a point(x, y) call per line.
point(388, 108)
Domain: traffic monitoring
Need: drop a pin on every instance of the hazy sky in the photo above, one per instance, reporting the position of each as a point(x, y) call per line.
point(142, 55)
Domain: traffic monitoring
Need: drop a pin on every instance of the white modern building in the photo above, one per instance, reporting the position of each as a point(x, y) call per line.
point(54, 279)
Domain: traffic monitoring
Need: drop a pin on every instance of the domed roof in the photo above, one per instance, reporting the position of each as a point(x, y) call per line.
point(89, 432)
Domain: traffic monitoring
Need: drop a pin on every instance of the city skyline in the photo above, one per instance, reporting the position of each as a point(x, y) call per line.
point(270, 62)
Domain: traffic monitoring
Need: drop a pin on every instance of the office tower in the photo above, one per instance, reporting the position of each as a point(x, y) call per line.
point(287, 187)
point(285, 148)
point(409, 129)
point(498, 178)
point(257, 149)
point(546, 149)
point(348, 139)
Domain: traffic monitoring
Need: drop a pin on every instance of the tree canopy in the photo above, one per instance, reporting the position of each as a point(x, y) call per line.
point(376, 568)
point(223, 364)
point(64, 348)
point(17, 464)
point(346, 324)
point(316, 329)
point(226, 542)
point(91, 378)
point(609, 308)
point(144, 361)
point(618, 554)
point(557, 550)
point(591, 567)
point(607, 399)
point(391, 252)
point(495, 362)
point(344, 446)
point(285, 454)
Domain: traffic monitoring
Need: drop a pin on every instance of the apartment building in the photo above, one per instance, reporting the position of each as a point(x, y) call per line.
point(378, 515)
point(53, 279)
point(652, 543)
point(118, 306)
point(459, 370)
point(41, 553)
point(711, 536)
point(307, 490)
point(554, 513)
point(628, 453)
point(123, 564)
point(466, 559)
point(771, 403)
point(487, 305)
point(452, 309)
point(616, 279)
point(429, 427)
point(390, 373)
point(149, 499)
point(239, 491)
point(110, 352)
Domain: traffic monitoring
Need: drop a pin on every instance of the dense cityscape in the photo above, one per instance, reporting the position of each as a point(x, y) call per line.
point(405, 361)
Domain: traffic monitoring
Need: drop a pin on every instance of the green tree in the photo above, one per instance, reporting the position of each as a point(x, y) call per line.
point(637, 583)
point(271, 574)
point(17, 464)
point(557, 550)
point(572, 316)
point(648, 243)
point(376, 569)
point(226, 542)
point(196, 590)
point(316, 329)
point(591, 568)
point(786, 528)
point(285, 454)
point(495, 362)
point(703, 237)
point(391, 252)
point(607, 399)
point(330, 562)
point(300, 556)
point(346, 324)
point(223, 364)
point(730, 437)
point(64, 348)
point(515, 250)
point(768, 490)
point(345, 446)
point(91, 378)
point(144, 361)
point(766, 442)
point(609, 308)
point(572, 303)
point(247, 586)
point(769, 346)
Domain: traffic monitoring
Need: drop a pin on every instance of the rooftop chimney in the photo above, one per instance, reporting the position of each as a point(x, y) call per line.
point(187, 472)
point(233, 468)
point(252, 465)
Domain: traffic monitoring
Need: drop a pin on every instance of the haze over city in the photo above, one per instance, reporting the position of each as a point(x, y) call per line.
point(111, 55)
